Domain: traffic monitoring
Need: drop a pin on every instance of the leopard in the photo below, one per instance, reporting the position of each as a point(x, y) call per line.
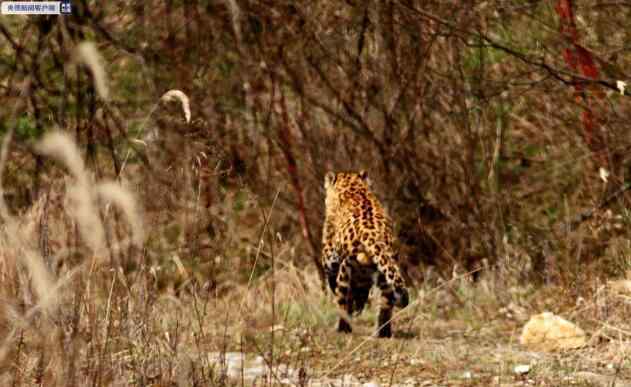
point(358, 252)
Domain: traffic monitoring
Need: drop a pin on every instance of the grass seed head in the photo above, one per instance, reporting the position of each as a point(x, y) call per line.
point(87, 54)
point(80, 203)
point(178, 95)
point(124, 200)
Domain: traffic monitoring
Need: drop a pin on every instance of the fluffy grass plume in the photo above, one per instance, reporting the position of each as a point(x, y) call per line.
point(173, 95)
point(236, 17)
point(80, 204)
point(87, 54)
point(15, 242)
point(124, 200)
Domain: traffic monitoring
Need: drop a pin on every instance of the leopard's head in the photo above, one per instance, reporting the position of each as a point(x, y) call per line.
point(335, 183)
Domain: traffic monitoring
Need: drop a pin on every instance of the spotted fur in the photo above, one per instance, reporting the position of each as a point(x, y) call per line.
point(357, 250)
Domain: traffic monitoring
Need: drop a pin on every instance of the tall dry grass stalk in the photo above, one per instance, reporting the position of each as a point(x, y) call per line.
point(116, 194)
point(171, 95)
point(18, 251)
point(235, 13)
point(21, 254)
point(17, 241)
point(4, 151)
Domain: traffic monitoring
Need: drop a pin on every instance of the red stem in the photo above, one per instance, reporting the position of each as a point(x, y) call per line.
point(580, 60)
point(284, 134)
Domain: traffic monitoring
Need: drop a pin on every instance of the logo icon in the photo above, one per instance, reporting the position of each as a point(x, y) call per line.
point(65, 7)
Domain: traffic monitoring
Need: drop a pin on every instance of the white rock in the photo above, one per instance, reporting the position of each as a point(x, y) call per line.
point(522, 369)
point(216, 357)
point(229, 363)
point(259, 360)
point(235, 365)
point(467, 375)
point(285, 370)
point(349, 380)
point(253, 372)
point(371, 384)
point(621, 86)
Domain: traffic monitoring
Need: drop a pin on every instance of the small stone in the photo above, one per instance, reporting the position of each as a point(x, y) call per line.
point(467, 375)
point(522, 369)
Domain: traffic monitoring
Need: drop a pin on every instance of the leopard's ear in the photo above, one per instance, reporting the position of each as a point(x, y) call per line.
point(363, 175)
point(329, 178)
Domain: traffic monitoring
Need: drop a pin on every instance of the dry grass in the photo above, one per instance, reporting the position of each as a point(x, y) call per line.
point(177, 95)
point(80, 195)
point(108, 326)
point(156, 279)
point(87, 54)
point(113, 328)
